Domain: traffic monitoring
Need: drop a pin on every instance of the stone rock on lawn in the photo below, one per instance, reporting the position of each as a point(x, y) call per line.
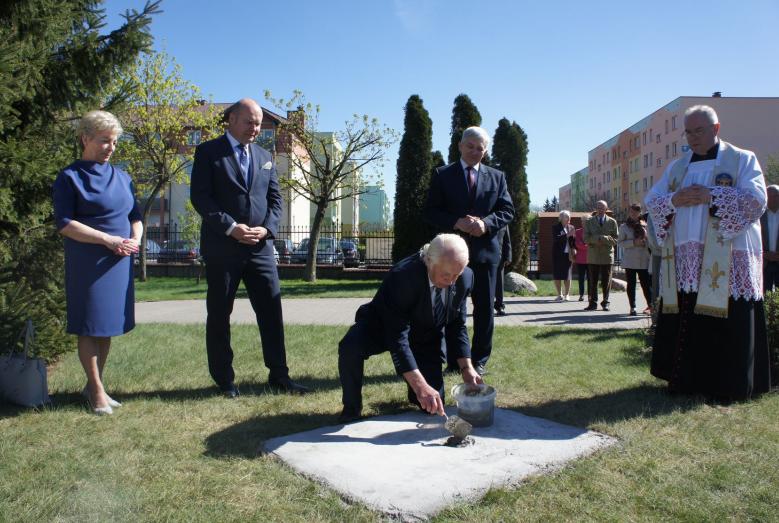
point(515, 282)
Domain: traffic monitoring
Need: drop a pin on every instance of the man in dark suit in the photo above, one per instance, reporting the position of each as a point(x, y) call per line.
point(769, 227)
point(472, 199)
point(235, 189)
point(419, 307)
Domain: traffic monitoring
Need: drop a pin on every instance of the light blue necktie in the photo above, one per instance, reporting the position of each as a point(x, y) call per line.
point(243, 159)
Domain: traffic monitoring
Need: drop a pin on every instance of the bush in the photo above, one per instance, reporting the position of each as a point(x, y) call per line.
point(772, 325)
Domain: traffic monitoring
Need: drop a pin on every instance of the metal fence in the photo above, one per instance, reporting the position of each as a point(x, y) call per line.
point(374, 247)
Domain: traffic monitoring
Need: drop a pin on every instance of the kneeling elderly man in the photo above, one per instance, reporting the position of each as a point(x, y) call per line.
point(418, 314)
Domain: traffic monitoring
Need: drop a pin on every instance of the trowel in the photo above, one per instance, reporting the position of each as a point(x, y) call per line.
point(458, 427)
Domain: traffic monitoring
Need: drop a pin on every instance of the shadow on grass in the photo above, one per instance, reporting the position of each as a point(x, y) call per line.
point(587, 336)
point(644, 401)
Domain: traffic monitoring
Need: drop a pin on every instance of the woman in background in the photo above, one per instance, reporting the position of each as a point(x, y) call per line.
point(635, 258)
point(562, 238)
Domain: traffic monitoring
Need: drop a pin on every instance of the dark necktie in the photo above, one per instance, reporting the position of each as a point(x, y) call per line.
point(243, 159)
point(439, 311)
point(471, 181)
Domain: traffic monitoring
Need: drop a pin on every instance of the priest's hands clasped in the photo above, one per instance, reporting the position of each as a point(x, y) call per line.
point(692, 195)
point(472, 225)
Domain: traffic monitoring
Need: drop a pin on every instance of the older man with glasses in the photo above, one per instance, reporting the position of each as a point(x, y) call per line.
point(706, 208)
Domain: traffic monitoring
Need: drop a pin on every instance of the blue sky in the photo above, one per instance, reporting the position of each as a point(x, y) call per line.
point(572, 74)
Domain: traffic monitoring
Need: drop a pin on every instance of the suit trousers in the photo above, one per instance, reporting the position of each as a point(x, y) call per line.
point(483, 298)
point(770, 275)
point(260, 277)
point(581, 269)
point(360, 343)
point(602, 273)
point(499, 305)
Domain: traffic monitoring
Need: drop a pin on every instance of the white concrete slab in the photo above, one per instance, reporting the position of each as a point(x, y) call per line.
point(398, 465)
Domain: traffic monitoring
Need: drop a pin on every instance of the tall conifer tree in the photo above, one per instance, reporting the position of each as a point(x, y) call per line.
point(414, 169)
point(464, 115)
point(509, 154)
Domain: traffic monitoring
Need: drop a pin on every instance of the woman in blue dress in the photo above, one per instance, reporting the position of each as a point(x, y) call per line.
point(96, 211)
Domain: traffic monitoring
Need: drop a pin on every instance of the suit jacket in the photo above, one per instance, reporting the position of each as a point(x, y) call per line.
point(219, 193)
point(401, 314)
point(600, 253)
point(448, 200)
point(764, 234)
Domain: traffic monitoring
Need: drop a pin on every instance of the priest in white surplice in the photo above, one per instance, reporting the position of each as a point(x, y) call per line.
point(711, 332)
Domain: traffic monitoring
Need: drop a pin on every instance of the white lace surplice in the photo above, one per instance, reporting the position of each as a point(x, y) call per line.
point(738, 207)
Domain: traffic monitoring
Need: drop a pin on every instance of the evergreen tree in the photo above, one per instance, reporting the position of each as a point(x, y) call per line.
point(554, 204)
point(414, 169)
point(56, 64)
point(437, 159)
point(547, 206)
point(464, 115)
point(509, 154)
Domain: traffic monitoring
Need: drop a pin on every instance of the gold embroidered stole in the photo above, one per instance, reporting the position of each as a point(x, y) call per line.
point(714, 283)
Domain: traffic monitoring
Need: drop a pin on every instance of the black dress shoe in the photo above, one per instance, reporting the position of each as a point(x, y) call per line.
point(606, 307)
point(288, 386)
point(480, 370)
point(591, 307)
point(350, 414)
point(231, 392)
point(500, 312)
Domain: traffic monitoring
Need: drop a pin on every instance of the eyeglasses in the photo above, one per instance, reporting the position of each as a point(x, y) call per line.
point(698, 131)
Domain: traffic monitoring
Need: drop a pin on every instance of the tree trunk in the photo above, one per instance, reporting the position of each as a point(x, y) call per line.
point(313, 242)
point(144, 220)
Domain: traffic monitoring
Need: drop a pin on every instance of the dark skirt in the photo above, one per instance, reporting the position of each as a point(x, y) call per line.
point(561, 265)
point(724, 359)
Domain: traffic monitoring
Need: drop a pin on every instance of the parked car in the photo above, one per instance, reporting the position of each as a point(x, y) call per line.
point(152, 252)
point(178, 252)
point(327, 252)
point(350, 252)
point(285, 248)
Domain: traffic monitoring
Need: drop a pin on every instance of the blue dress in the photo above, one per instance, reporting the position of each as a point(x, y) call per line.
point(98, 283)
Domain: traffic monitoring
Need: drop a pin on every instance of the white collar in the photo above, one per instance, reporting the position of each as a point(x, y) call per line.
point(465, 165)
point(233, 142)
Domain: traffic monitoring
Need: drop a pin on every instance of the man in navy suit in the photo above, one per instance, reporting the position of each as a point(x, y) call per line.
point(472, 199)
point(235, 189)
point(769, 227)
point(419, 307)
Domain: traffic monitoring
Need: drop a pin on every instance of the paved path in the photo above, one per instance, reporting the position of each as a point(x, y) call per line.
point(340, 311)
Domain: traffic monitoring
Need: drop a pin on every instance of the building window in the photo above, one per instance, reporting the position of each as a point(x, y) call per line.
point(651, 159)
point(624, 196)
point(666, 127)
point(658, 138)
point(608, 179)
point(667, 151)
point(266, 139)
point(194, 137)
point(659, 162)
point(674, 149)
point(673, 123)
point(646, 161)
point(635, 187)
point(650, 181)
point(645, 184)
point(644, 137)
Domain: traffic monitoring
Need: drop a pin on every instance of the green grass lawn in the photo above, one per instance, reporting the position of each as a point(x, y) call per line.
point(175, 288)
point(178, 452)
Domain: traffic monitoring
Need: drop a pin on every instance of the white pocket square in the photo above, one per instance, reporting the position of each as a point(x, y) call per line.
point(267, 165)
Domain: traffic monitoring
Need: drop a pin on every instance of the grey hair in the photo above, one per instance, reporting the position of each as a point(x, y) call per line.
point(98, 121)
point(450, 246)
point(476, 132)
point(705, 110)
point(566, 214)
point(772, 188)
